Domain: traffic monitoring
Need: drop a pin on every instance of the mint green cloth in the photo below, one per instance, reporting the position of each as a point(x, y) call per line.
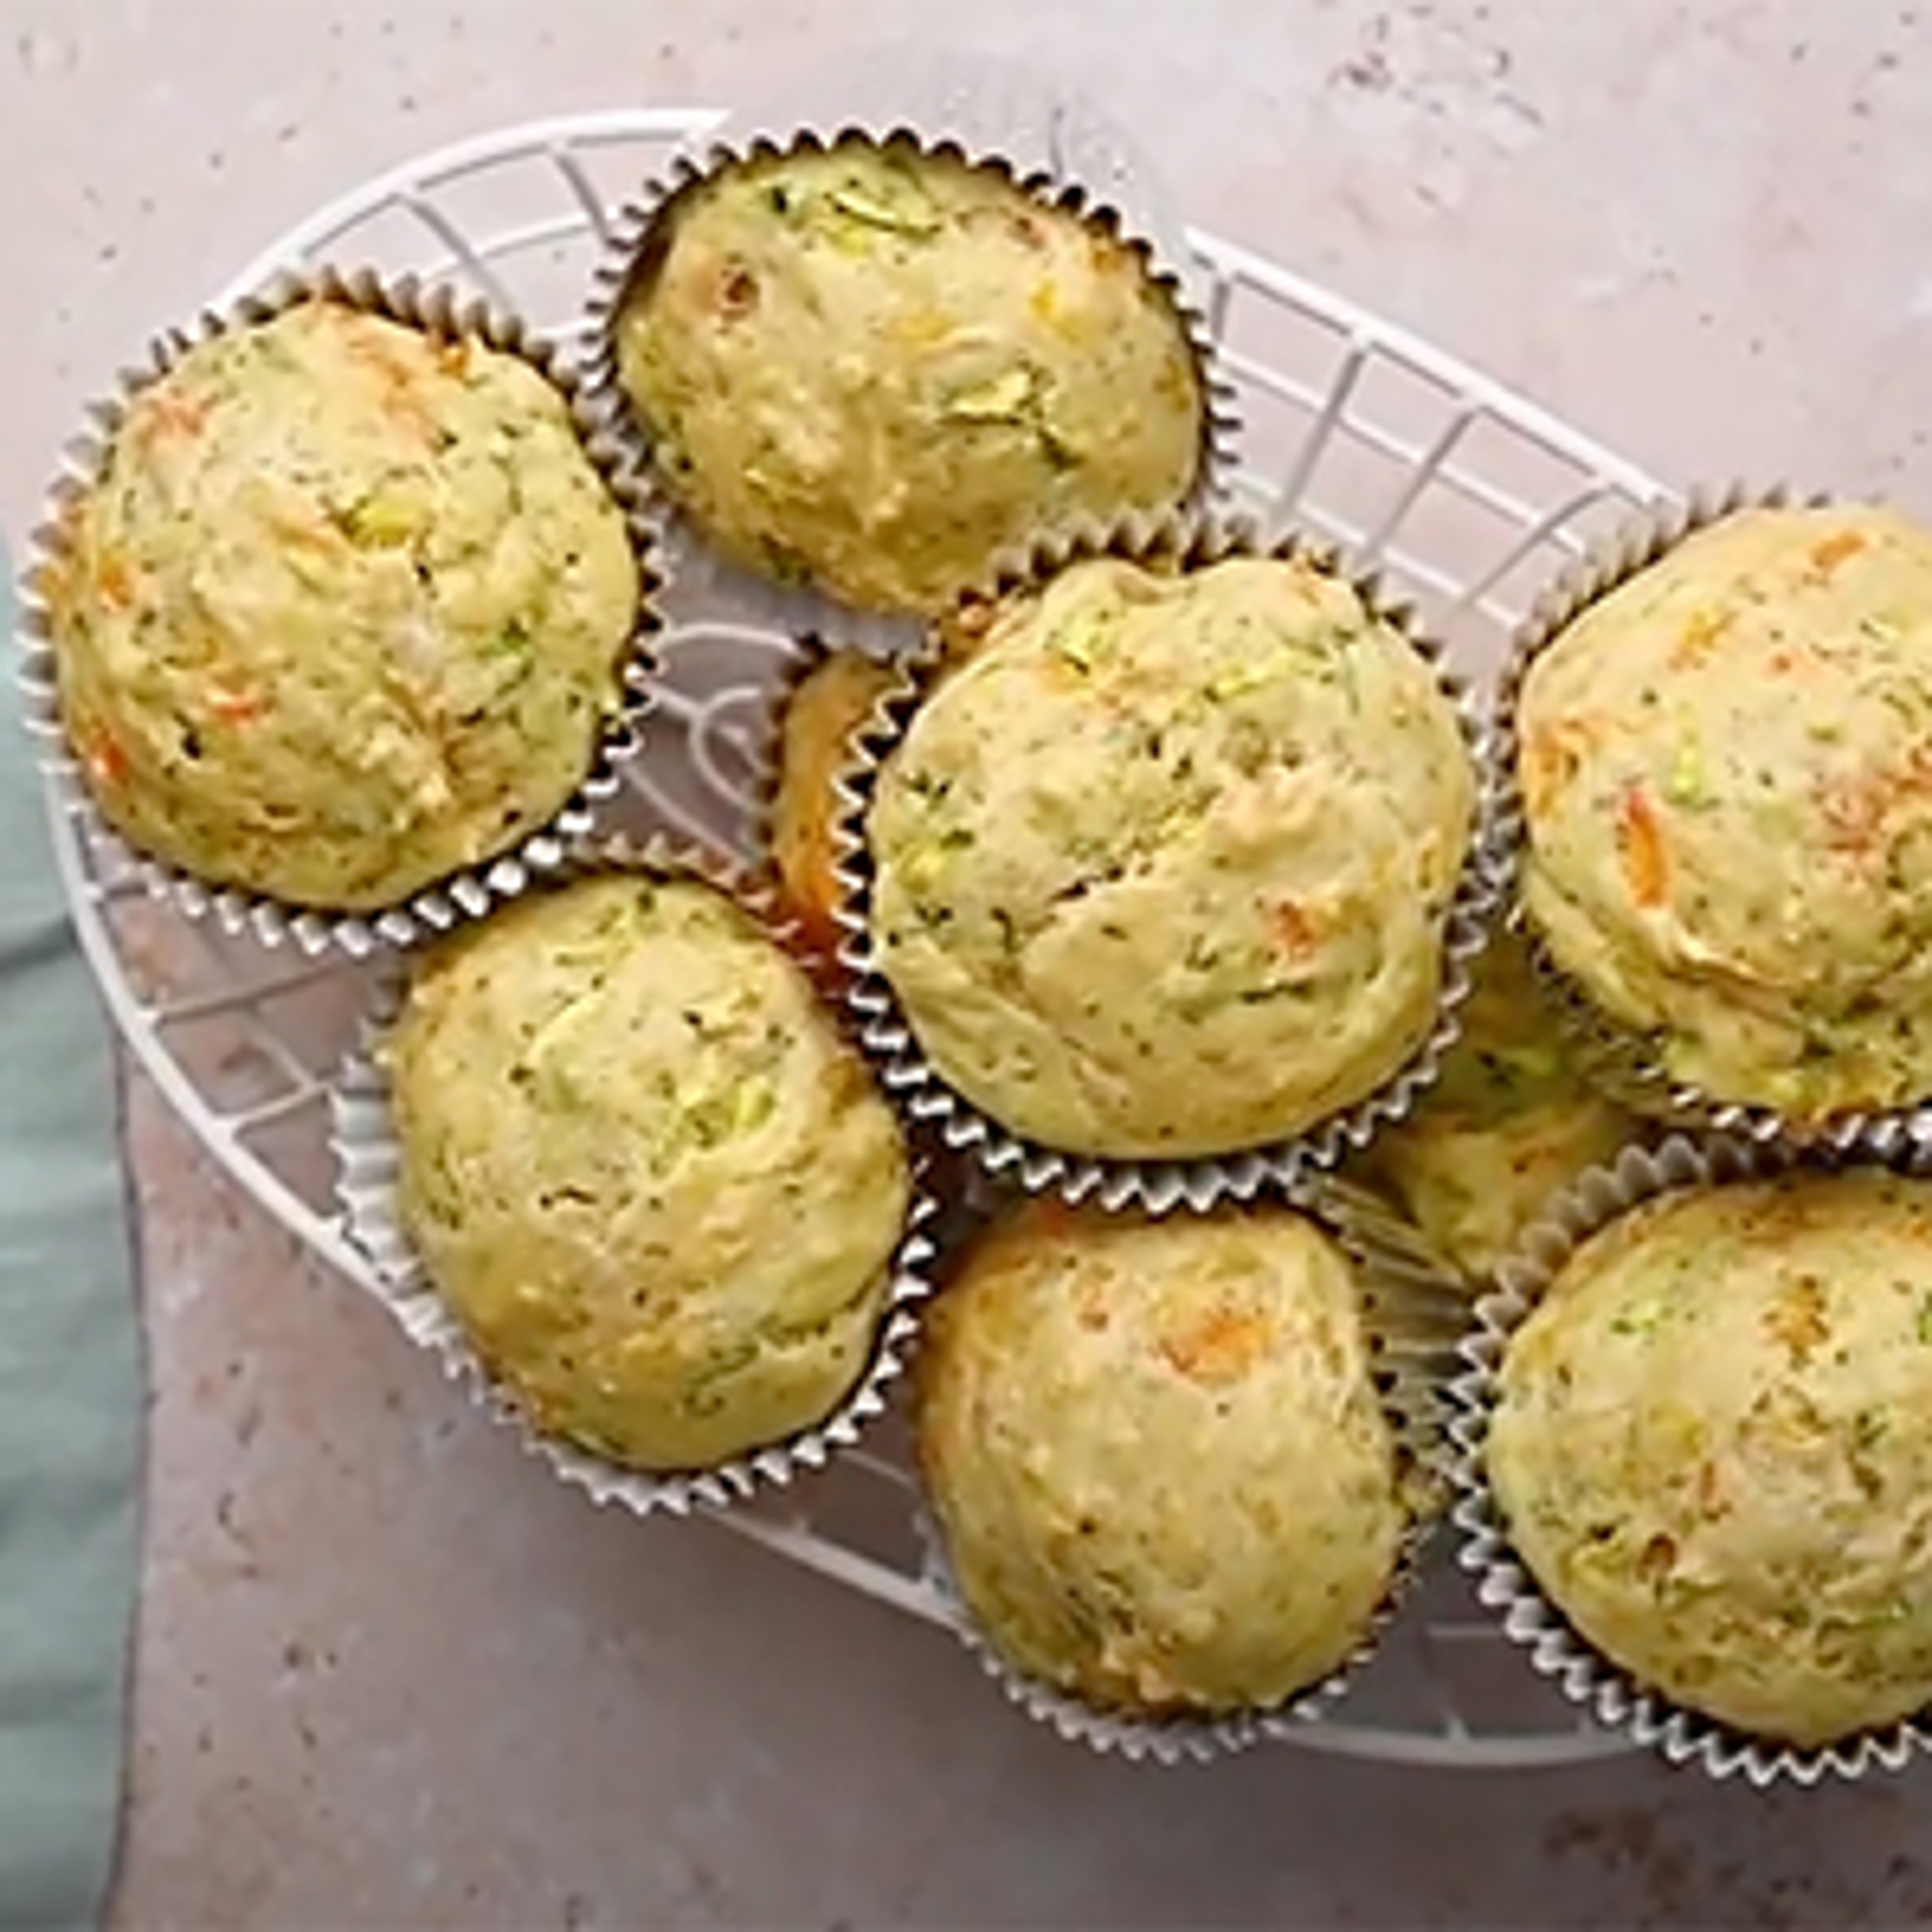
point(70, 1389)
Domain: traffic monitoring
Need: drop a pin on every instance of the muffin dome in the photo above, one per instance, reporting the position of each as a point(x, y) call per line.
point(1509, 1125)
point(657, 1189)
point(344, 612)
point(873, 368)
point(1728, 800)
point(1156, 1454)
point(1164, 868)
point(1712, 1446)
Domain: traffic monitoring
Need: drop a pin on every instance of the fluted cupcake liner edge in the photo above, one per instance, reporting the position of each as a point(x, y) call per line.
point(961, 123)
point(1620, 1061)
point(1180, 543)
point(469, 892)
point(1530, 1619)
point(1414, 1313)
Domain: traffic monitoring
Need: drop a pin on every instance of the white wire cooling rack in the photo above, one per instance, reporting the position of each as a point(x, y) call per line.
point(1467, 496)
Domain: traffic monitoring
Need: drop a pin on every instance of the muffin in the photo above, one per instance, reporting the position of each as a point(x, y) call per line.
point(1510, 1123)
point(1712, 1447)
point(344, 612)
point(815, 745)
point(1164, 868)
point(655, 1186)
point(1727, 798)
point(1156, 1456)
point(872, 368)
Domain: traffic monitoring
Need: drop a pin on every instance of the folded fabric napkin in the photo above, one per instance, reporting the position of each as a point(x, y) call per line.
point(70, 1408)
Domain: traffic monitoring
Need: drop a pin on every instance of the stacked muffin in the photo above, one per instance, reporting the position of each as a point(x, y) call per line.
point(1510, 1124)
point(1721, 764)
point(1699, 1486)
point(1691, 1456)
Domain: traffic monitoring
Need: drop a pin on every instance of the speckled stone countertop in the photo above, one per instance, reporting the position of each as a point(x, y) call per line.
point(389, 1674)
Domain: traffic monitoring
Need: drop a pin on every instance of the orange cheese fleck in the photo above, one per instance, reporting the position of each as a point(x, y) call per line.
point(233, 707)
point(115, 580)
point(1294, 931)
point(105, 762)
point(1218, 1346)
point(1831, 551)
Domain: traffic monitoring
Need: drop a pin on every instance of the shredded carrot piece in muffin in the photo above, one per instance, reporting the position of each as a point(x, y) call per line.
point(1834, 550)
point(164, 413)
point(114, 579)
point(233, 707)
point(1639, 837)
point(1294, 930)
point(304, 532)
point(1217, 1347)
point(1550, 760)
point(102, 756)
point(1701, 636)
point(402, 394)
